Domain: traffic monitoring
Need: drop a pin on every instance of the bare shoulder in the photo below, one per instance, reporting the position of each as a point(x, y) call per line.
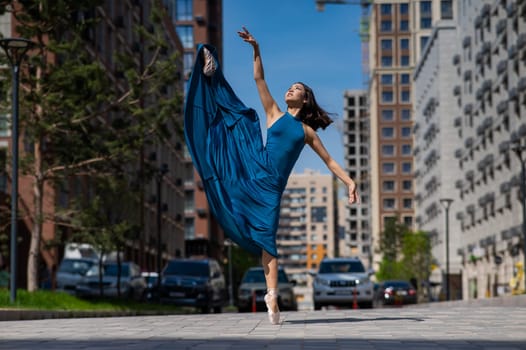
point(310, 134)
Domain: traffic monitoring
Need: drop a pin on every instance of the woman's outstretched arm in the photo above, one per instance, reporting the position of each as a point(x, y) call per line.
point(269, 104)
point(313, 140)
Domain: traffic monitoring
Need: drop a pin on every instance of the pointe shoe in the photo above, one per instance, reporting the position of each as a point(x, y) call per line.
point(273, 317)
point(210, 65)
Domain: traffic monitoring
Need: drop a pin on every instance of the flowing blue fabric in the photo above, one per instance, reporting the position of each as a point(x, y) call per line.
point(243, 179)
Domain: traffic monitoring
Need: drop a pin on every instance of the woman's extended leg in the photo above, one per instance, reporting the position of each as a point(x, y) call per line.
point(270, 267)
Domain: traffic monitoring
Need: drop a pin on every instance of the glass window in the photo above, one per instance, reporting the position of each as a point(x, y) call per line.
point(388, 186)
point(184, 11)
point(186, 34)
point(404, 9)
point(385, 9)
point(405, 79)
point(387, 79)
point(386, 26)
point(405, 96)
point(405, 114)
point(425, 23)
point(387, 61)
point(406, 168)
point(407, 185)
point(387, 115)
point(406, 149)
point(387, 44)
point(404, 25)
point(388, 150)
point(404, 44)
point(388, 168)
point(406, 131)
point(387, 96)
point(188, 63)
point(404, 60)
point(318, 214)
point(425, 8)
point(446, 9)
point(408, 203)
point(408, 220)
point(389, 203)
point(387, 132)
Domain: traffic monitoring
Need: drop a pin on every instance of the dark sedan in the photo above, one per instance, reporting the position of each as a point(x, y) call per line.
point(396, 292)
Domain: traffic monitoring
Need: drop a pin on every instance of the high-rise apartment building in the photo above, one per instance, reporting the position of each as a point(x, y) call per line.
point(489, 97)
point(355, 238)
point(399, 31)
point(308, 223)
point(198, 21)
point(469, 109)
point(435, 164)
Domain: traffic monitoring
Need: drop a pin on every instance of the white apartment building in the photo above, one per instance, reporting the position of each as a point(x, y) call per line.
point(469, 112)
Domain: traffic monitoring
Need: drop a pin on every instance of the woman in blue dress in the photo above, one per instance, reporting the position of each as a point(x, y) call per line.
point(244, 177)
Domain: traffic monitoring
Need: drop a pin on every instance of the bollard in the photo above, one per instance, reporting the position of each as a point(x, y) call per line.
point(254, 308)
point(354, 302)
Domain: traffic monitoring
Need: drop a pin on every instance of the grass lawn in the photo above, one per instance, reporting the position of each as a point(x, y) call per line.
point(60, 301)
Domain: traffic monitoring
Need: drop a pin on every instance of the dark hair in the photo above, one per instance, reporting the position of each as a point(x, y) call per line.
point(311, 113)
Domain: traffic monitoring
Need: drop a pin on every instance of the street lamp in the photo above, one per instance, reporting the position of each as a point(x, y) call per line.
point(15, 49)
point(446, 203)
point(163, 170)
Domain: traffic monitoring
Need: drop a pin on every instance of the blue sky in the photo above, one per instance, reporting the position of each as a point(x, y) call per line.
point(298, 43)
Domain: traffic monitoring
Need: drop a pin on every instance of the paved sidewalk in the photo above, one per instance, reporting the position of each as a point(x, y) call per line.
point(459, 327)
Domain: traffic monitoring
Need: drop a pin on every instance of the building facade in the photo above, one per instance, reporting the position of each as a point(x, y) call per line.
point(435, 163)
point(355, 238)
point(198, 21)
point(489, 95)
point(399, 31)
point(307, 229)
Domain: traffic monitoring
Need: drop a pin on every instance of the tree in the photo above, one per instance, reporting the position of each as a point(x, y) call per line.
point(390, 246)
point(416, 261)
point(83, 121)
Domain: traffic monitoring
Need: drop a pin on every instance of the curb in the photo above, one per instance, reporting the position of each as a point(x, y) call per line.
point(24, 315)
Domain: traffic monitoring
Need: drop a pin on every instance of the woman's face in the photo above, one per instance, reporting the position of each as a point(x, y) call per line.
point(295, 95)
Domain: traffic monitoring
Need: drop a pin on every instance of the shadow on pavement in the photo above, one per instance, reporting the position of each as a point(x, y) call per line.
point(351, 319)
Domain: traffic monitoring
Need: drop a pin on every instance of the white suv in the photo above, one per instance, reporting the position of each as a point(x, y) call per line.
point(342, 281)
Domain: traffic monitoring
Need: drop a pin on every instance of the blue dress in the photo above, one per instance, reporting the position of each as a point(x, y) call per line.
point(242, 177)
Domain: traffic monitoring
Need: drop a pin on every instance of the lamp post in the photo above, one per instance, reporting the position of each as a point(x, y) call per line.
point(518, 148)
point(446, 203)
point(163, 170)
point(15, 49)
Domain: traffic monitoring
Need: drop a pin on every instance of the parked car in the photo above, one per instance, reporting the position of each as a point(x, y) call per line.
point(132, 284)
point(151, 292)
point(71, 271)
point(342, 281)
point(253, 285)
point(198, 283)
point(396, 292)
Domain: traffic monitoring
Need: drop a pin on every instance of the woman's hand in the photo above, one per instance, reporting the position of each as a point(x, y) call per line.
point(247, 37)
point(353, 194)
